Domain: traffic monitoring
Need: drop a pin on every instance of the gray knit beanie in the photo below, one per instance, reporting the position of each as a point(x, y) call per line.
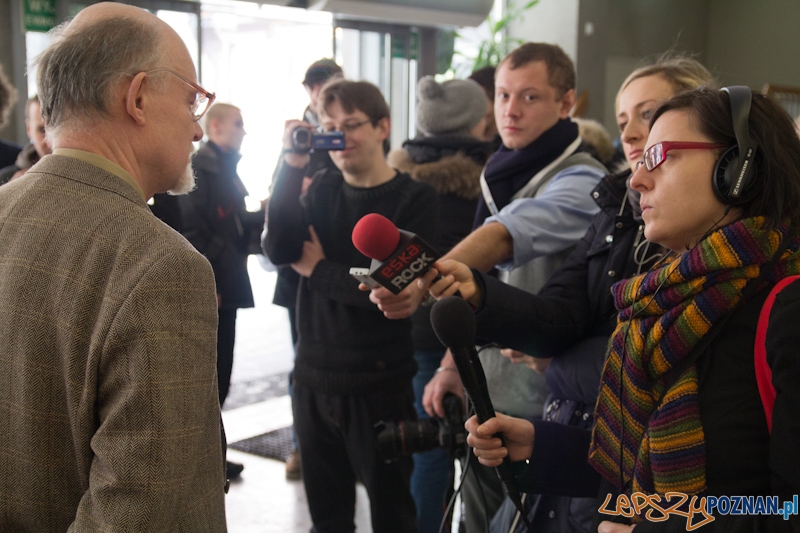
point(450, 108)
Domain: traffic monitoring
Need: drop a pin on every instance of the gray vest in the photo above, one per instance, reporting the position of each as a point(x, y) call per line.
point(514, 388)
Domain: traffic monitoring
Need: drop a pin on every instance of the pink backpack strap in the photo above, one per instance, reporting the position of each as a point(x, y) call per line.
point(763, 372)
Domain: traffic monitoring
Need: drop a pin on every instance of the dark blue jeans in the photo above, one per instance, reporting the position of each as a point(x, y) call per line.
point(433, 470)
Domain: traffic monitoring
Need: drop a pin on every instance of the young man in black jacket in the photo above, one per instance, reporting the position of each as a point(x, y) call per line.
point(216, 222)
point(354, 366)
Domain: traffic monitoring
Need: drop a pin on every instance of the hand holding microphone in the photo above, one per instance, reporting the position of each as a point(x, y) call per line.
point(517, 442)
point(454, 324)
point(398, 258)
point(451, 278)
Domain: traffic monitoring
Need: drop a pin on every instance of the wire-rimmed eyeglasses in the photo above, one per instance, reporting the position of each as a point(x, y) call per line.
point(203, 99)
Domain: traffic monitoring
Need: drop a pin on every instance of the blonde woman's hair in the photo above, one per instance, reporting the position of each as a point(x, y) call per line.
point(682, 72)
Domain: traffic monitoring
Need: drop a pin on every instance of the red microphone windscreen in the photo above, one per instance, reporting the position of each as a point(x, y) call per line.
point(376, 236)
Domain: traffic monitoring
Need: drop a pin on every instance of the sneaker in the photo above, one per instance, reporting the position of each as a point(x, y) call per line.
point(233, 470)
point(294, 468)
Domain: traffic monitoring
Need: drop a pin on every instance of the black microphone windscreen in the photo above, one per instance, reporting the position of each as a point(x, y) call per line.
point(453, 322)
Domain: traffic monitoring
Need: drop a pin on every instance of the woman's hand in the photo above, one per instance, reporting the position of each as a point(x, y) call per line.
point(517, 433)
point(440, 384)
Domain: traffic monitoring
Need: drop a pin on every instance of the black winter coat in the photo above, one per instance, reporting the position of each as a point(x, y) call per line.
point(574, 314)
point(573, 317)
point(216, 222)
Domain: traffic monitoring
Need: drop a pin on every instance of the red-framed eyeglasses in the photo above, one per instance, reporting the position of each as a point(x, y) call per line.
point(656, 154)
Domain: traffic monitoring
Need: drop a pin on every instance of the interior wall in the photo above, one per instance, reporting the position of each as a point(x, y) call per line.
point(618, 35)
point(753, 46)
point(549, 21)
point(739, 42)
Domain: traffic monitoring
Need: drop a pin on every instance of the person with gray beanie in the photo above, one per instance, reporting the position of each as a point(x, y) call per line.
point(454, 107)
point(449, 156)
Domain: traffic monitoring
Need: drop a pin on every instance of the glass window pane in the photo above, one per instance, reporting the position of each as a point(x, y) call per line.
point(35, 43)
point(255, 57)
point(185, 25)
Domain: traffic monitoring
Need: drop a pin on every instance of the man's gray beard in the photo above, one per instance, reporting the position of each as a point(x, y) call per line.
point(185, 183)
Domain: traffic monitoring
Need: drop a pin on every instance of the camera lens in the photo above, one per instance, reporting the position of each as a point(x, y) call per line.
point(396, 439)
point(406, 437)
point(301, 140)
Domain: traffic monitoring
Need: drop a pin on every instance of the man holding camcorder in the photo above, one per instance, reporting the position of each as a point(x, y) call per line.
point(354, 366)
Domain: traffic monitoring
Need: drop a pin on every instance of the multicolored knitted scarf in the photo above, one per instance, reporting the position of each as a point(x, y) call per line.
point(663, 315)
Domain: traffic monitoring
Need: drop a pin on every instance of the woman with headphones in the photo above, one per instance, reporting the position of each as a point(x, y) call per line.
point(679, 409)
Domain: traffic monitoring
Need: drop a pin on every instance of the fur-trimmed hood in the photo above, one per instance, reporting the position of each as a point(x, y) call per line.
point(455, 174)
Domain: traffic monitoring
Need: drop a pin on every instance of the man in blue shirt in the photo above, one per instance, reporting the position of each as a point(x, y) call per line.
point(536, 205)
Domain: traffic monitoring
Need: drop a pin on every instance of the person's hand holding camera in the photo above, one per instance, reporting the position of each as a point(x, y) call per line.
point(446, 379)
point(290, 157)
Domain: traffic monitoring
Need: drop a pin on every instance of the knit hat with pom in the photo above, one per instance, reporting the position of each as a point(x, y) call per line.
point(450, 108)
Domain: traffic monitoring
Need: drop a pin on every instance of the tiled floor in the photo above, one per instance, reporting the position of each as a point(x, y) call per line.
point(263, 501)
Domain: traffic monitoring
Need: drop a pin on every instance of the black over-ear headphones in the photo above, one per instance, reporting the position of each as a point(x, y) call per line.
point(735, 172)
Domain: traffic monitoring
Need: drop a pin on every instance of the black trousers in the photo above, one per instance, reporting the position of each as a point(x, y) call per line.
point(226, 337)
point(338, 446)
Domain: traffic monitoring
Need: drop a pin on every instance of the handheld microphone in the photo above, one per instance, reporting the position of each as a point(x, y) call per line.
point(398, 257)
point(454, 323)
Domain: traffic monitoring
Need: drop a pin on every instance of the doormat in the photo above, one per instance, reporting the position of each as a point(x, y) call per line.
point(274, 445)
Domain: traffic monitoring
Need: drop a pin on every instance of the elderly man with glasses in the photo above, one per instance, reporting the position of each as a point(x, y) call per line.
point(109, 414)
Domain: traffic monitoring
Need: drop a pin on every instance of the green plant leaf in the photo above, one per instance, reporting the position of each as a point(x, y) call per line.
point(494, 48)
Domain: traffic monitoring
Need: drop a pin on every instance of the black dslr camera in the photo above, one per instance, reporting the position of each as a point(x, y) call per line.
point(305, 140)
point(412, 436)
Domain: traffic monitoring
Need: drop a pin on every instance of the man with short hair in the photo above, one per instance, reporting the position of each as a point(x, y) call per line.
point(536, 206)
point(354, 367)
point(317, 75)
point(108, 393)
point(215, 220)
point(35, 150)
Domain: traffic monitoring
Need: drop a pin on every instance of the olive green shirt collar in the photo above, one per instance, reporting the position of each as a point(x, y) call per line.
point(102, 162)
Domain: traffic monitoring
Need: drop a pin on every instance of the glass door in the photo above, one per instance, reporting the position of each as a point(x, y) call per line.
point(255, 57)
point(388, 56)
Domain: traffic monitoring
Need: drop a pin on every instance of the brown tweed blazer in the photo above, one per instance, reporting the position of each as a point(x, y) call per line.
point(109, 416)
